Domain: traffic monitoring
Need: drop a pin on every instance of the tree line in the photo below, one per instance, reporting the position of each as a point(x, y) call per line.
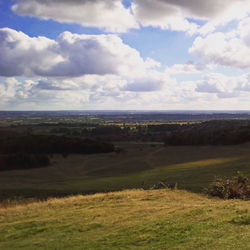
point(211, 133)
point(27, 151)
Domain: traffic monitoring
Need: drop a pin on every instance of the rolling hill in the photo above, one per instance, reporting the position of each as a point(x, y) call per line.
point(131, 219)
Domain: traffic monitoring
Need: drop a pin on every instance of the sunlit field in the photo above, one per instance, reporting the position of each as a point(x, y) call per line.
point(131, 219)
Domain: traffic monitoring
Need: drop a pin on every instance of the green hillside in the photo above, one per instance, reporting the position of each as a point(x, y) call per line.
point(140, 165)
point(135, 219)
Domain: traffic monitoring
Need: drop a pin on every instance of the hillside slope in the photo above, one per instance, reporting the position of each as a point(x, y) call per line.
point(139, 166)
point(134, 219)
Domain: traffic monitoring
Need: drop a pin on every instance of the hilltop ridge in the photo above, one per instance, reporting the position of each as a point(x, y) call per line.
point(130, 219)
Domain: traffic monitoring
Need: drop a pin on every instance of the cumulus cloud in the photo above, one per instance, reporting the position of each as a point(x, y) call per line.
point(163, 15)
point(244, 84)
point(57, 85)
point(108, 14)
point(223, 86)
point(244, 87)
point(144, 85)
point(95, 83)
point(188, 68)
point(244, 30)
point(233, 11)
point(176, 15)
point(207, 87)
point(69, 55)
point(112, 15)
point(227, 49)
point(215, 91)
point(12, 89)
point(23, 55)
point(8, 89)
point(193, 8)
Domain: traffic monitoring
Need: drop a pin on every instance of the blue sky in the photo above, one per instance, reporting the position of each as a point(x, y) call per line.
point(112, 54)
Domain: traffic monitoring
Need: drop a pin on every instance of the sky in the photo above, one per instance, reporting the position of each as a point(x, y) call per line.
point(124, 55)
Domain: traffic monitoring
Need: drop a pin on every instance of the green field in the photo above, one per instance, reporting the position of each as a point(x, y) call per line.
point(129, 219)
point(140, 166)
point(132, 219)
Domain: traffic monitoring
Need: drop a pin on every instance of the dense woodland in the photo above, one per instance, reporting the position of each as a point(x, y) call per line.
point(23, 161)
point(19, 151)
point(52, 144)
point(211, 133)
point(215, 132)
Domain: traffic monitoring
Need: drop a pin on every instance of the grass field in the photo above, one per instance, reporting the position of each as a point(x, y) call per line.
point(129, 219)
point(140, 166)
point(134, 219)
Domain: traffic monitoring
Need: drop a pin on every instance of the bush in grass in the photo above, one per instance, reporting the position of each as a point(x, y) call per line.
point(237, 187)
point(161, 185)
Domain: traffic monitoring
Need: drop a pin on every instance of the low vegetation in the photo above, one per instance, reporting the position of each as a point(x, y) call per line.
point(134, 219)
point(237, 187)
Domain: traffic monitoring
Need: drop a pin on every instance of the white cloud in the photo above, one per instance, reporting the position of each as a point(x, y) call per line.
point(188, 68)
point(244, 84)
point(215, 91)
point(223, 86)
point(23, 55)
point(227, 49)
point(108, 14)
point(235, 10)
point(163, 15)
point(244, 31)
point(57, 85)
point(69, 55)
point(144, 85)
point(176, 15)
point(8, 89)
point(12, 89)
point(112, 16)
point(192, 8)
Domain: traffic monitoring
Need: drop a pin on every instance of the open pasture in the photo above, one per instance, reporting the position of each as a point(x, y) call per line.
point(139, 165)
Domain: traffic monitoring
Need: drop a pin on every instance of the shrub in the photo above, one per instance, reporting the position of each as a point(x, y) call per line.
point(237, 187)
point(161, 185)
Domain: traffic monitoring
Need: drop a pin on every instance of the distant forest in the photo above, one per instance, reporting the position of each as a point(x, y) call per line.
point(30, 146)
point(221, 132)
point(215, 132)
point(31, 151)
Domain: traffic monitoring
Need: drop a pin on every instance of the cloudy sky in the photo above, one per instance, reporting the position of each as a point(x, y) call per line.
point(131, 54)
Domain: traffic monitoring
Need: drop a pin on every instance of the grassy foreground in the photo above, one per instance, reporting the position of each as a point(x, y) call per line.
point(135, 219)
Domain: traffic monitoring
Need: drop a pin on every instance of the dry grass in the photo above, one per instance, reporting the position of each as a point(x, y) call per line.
point(131, 219)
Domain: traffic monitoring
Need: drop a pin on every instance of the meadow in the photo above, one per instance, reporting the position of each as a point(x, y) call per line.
point(139, 165)
point(130, 219)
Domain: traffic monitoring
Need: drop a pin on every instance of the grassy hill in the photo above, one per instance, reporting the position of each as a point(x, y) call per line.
point(134, 219)
point(140, 165)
